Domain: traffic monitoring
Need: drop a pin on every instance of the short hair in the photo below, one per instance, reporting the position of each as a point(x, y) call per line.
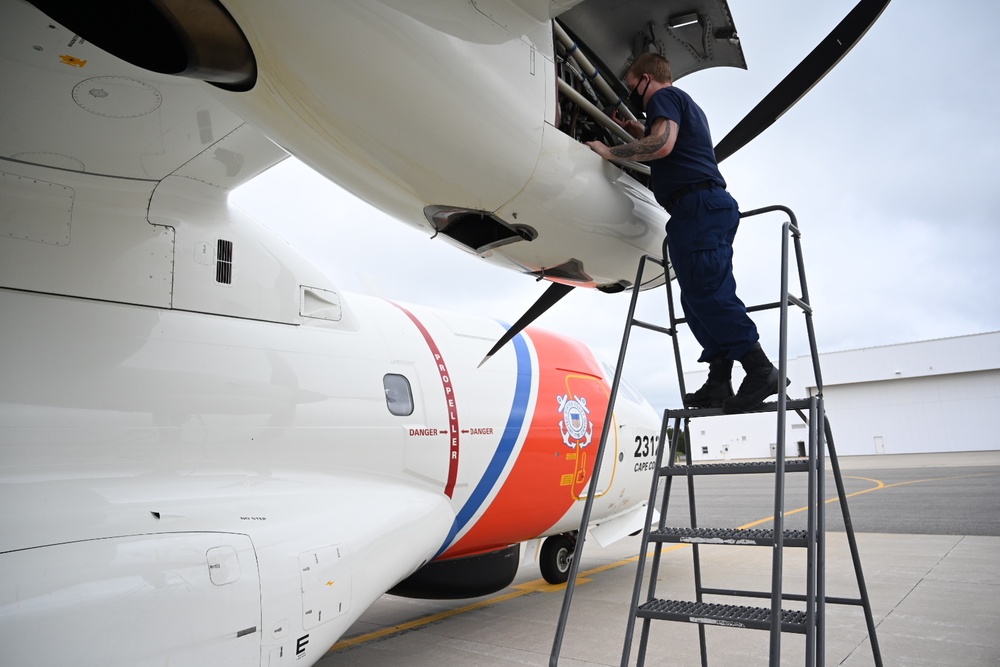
point(653, 64)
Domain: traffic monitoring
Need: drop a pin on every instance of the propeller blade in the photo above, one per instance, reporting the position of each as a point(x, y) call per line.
point(548, 298)
point(800, 80)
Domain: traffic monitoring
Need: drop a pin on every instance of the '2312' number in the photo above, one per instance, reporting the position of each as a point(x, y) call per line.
point(646, 445)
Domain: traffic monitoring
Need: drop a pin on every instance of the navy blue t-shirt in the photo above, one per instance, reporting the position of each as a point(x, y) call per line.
point(693, 158)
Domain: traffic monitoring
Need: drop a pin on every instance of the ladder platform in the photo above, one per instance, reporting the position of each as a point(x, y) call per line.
point(725, 615)
point(691, 413)
point(734, 468)
point(761, 537)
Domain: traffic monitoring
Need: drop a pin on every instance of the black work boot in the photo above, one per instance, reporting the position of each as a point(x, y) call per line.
point(761, 381)
point(717, 388)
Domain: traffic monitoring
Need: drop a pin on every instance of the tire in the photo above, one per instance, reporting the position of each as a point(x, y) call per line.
point(556, 557)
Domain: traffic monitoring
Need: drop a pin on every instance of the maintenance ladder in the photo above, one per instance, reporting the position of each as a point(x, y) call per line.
point(809, 620)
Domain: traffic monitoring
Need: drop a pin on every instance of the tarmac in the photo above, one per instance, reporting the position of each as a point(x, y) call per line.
point(935, 598)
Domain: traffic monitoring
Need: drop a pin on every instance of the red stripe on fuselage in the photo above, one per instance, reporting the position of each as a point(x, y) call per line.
point(449, 397)
point(557, 459)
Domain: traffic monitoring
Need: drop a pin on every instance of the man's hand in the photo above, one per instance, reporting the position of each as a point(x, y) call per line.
point(633, 127)
point(601, 149)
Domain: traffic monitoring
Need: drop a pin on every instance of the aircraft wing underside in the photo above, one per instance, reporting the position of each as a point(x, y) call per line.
point(70, 105)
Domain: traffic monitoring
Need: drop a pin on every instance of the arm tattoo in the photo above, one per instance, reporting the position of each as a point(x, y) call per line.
point(643, 149)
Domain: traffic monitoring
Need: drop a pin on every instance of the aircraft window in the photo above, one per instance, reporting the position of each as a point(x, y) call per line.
point(398, 396)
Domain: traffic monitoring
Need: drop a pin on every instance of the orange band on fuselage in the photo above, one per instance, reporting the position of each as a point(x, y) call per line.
point(555, 464)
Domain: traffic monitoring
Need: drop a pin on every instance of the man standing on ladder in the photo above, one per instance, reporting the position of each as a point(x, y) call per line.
point(686, 181)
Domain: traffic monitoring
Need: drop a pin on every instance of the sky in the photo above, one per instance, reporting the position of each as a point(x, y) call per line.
point(890, 164)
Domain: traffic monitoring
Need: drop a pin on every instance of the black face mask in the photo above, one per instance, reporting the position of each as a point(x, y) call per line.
point(635, 98)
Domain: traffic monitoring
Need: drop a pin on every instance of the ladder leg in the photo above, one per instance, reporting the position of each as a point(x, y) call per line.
point(821, 537)
point(812, 502)
point(644, 542)
point(817, 468)
point(696, 553)
point(853, 543)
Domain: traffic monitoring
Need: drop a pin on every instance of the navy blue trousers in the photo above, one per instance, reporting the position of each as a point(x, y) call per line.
point(700, 236)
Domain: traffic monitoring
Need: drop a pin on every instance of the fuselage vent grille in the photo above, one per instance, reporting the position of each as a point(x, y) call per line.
point(224, 262)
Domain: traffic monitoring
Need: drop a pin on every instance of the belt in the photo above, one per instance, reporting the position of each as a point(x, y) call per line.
point(688, 189)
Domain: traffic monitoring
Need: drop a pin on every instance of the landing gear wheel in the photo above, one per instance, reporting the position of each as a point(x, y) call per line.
point(556, 558)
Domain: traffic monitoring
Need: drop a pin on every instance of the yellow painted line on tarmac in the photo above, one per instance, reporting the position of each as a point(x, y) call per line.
point(425, 620)
point(527, 588)
point(878, 486)
point(542, 586)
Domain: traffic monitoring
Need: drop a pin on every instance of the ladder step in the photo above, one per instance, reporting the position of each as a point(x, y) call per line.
point(726, 615)
point(734, 468)
point(739, 536)
point(790, 404)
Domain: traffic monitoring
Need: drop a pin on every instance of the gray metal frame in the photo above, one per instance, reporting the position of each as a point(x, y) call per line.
point(811, 621)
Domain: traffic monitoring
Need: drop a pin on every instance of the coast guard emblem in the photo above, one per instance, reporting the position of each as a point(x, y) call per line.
point(575, 428)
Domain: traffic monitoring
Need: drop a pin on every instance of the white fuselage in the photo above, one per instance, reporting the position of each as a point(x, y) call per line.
point(170, 470)
point(208, 453)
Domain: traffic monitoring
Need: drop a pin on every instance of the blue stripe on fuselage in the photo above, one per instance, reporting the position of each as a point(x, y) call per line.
point(511, 433)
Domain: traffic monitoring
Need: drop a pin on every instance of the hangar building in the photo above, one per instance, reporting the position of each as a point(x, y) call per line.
point(930, 396)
